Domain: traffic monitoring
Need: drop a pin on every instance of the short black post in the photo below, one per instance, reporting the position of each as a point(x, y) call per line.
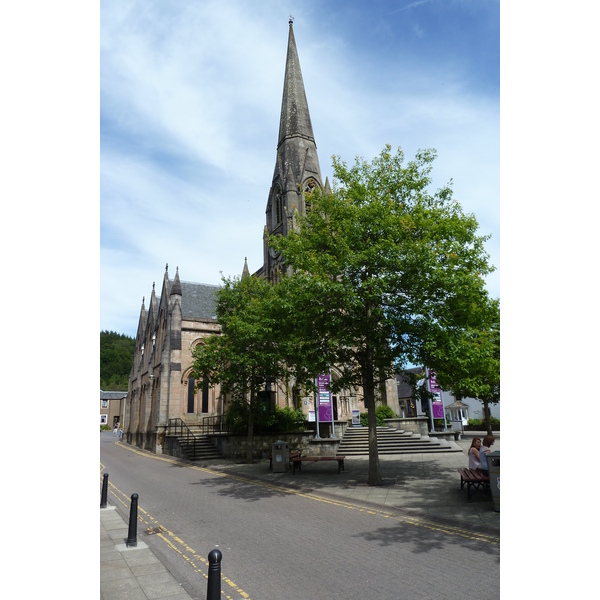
point(104, 496)
point(213, 591)
point(132, 534)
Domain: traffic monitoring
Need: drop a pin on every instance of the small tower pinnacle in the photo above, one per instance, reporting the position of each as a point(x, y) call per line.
point(176, 288)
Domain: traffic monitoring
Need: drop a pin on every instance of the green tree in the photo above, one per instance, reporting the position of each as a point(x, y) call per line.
point(116, 360)
point(246, 357)
point(376, 268)
point(467, 360)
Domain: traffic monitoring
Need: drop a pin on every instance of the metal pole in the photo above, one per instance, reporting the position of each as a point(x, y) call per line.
point(132, 534)
point(317, 436)
point(331, 406)
point(213, 590)
point(104, 496)
point(428, 388)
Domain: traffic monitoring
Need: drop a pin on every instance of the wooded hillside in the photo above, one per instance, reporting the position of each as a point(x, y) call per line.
point(116, 358)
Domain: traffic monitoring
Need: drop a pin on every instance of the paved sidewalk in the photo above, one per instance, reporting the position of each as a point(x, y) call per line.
point(133, 573)
point(425, 485)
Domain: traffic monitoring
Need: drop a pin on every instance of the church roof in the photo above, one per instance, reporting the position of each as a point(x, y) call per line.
point(198, 300)
point(405, 389)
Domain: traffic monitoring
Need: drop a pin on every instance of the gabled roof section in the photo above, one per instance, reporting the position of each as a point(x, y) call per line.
point(112, 395)
point(198, 300)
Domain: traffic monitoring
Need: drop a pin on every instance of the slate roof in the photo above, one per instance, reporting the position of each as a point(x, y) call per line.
point(112, 395)
point(404, 388)
point(198, 300)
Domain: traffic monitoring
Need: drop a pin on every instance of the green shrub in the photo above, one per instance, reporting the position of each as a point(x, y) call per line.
point(288, 419)
point(236, 417)
point(267, 418)
point(382, 412)
point(479, 424)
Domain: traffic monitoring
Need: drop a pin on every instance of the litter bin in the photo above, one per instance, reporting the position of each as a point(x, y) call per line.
point(493, 460)
point(281, 456)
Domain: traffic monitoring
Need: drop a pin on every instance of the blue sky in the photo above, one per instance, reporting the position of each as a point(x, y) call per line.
point(190, 95)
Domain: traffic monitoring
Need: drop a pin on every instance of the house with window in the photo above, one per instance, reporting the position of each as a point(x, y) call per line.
point(112, 407)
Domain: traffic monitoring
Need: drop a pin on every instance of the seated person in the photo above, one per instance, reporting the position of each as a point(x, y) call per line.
point(473, 453)
point(485, 449)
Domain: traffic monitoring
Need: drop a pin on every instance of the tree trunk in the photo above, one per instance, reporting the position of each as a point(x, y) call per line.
point(486, 412)
point(369, 396)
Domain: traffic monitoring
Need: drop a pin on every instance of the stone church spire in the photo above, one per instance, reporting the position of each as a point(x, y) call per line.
point(296, 147)
point(297, 167)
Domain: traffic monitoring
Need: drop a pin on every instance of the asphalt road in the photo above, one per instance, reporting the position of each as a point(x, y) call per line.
point(285, 544)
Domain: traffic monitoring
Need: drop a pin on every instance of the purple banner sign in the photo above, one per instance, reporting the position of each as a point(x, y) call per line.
point(437, 405)
point(324, 398)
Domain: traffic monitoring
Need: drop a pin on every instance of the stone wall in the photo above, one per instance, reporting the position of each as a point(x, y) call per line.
point(234, 446)
point(414, 424)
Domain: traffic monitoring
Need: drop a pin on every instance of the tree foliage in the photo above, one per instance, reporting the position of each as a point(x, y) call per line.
point(467, 360)
point(116, 360)
point(377, 268)
point(247, 356)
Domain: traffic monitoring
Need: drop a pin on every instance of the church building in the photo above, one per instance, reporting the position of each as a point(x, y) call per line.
point(161, 386)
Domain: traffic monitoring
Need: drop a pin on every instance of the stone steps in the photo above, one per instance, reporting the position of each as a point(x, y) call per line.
point(198, 447)
point(392, 441)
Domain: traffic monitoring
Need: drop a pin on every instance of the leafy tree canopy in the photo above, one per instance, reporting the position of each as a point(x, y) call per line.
point(247, 355)
point(378, 268)
point(116, 360)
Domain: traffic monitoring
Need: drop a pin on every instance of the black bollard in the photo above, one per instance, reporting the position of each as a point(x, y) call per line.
point(132, 534)
point(104, 496)
point(213, 591)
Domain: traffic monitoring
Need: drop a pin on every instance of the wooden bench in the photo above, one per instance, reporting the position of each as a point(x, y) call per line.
point(298, 460)
point(293, 454)
point(473, 478)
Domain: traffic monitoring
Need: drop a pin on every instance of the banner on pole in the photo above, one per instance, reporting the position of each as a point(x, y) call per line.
point(324, 398)
point(437, 404)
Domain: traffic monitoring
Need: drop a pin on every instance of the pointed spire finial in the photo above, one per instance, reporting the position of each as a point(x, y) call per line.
point(167, 267)
point(176, 289)
point(291, 20)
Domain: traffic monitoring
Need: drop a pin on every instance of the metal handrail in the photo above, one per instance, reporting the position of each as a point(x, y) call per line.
point(214, 424)
point(179, 424)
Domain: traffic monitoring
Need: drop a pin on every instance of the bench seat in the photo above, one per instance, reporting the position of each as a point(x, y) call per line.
point(298, 460)
point(473, 478)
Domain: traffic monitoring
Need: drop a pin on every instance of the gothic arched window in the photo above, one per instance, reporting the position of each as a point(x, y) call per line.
point(190, 394)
